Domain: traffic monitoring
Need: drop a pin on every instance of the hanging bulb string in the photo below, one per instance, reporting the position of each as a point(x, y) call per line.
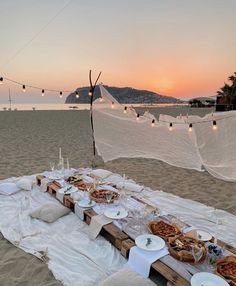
point(36, 87)
point(36, 34)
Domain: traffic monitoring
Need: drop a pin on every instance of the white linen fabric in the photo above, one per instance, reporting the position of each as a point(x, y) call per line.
point(96, 224)
point(141, 260)
point(119, 134)
point(74, 258)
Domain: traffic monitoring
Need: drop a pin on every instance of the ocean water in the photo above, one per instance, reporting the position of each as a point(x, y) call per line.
point(43, 106)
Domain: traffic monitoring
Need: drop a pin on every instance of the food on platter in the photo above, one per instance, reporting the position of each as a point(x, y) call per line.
point(74, 179)
point(104, 196)
point(187, 249)
point(163, 229)
point(226, 267)
point(77, 182)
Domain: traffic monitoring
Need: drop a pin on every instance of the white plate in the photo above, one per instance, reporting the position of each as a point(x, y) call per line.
point(207, 279)
point(116, 213)
point(68, 190)
point(203, 235)
point(157, 243)
point(54, 177)
point(85, 203)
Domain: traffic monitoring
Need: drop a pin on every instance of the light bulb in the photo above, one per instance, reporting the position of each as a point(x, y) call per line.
point(190, 128)
point(112, 105)
point(23, 88)
point(90, 93)
point(214, 125)
point(171, 126)
point(42, 92)
point(76, 94)
point(101, 99)
point(1, 80)
point(138, 117)
point(125, 109)
point(153, 122)
point(60, 94)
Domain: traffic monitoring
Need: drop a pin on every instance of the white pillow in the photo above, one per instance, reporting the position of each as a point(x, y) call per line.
point(101, 173)
point(126, 277)
point(49, 212)
point(25, 184)
point(8, 189)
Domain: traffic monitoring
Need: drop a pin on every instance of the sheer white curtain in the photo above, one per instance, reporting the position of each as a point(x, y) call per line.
point(120, 133)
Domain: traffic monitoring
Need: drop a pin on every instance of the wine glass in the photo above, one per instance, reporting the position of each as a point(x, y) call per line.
point(52, 166)
point(197, 253)
point(108, 197)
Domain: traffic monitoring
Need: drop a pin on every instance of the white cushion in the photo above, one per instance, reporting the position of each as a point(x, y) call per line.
point(50, 212)
point(126, 277)
point(101, 173)
point(8, 189)
point(25, 184)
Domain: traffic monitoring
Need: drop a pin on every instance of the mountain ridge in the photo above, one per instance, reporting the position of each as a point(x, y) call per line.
point(124, 95)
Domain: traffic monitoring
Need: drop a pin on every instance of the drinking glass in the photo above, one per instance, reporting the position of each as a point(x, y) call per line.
point(52, 166)
point(108, 197)
point(197, 253)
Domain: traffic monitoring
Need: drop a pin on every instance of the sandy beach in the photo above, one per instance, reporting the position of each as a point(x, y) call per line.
point(30, 141)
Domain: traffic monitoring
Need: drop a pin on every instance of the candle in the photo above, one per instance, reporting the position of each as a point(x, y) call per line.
point(67, 164)
point(60, 153)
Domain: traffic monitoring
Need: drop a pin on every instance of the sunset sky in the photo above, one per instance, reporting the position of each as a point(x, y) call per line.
point(181, 48)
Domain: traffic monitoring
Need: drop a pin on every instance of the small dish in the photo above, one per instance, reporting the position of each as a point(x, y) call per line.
point(207, 279)
point(150, 242)
point(116, 213)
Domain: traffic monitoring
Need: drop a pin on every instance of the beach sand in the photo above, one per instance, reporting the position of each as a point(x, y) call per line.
point(31, 139)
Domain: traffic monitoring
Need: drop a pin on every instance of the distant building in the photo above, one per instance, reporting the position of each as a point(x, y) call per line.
point(202, 102)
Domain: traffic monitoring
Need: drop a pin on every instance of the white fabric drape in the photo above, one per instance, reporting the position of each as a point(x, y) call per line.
point(119, 134)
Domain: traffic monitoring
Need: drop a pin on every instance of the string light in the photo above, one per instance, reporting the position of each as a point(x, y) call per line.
point(42, 92)
point(112, 104)
point(138, 117)
point(90, 93)
point(171, 126)
point(153, 122)
point(214, 125)
point(101, 99)
point(23, 88)
point(60, 94)
point(190, 128)
point(1, 80)
point(125, 109)
point(76, 94)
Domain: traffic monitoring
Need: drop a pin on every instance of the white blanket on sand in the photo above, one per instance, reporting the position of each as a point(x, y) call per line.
point(74, 259)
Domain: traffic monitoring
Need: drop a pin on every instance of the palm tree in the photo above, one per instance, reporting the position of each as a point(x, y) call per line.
point(227, 93)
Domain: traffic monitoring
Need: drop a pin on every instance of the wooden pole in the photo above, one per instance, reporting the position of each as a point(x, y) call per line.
point(91, 93)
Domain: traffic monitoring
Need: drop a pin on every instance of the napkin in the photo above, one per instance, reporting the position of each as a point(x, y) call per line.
point(44, 185)
point(141, 260)
point(60, 196)
point(132, 187)
point(79, 211)
point(96, 224)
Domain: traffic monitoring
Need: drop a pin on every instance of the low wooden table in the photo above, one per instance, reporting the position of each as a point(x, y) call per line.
point(123, 242)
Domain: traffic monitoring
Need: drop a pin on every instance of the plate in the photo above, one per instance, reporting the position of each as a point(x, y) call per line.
point(155, 242)
point(203, 235)
point(85, 203)
point(54, 177)
point(116, 213)
point(207, 279)
point(68, 190)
